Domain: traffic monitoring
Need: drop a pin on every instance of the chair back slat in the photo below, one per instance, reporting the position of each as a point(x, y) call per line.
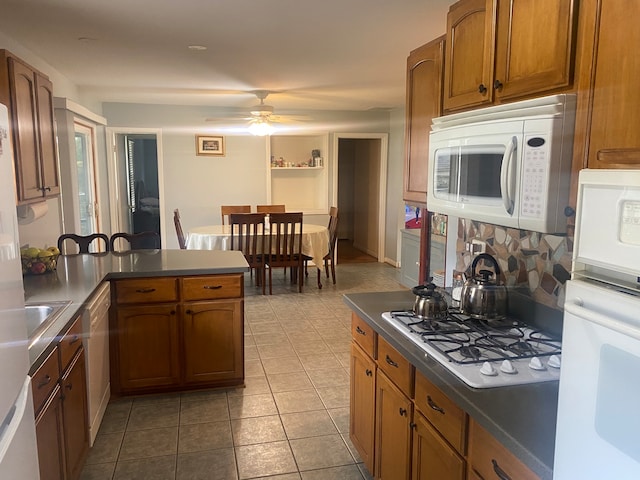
point(83, 242)
point(136, 241)
point(179, 232)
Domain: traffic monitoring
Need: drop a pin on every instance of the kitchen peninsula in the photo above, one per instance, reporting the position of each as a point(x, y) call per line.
point(490, 431)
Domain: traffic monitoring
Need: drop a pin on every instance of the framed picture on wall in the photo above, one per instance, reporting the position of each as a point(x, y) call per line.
point(209, 145)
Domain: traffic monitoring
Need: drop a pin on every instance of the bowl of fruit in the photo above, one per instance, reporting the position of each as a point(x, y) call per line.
point(36, 261)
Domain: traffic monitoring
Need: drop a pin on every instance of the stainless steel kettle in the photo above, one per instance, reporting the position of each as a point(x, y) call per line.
point(429, 304)
point(482, 297)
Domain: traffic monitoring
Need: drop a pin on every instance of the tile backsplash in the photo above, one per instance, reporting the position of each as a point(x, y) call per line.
point(535, 263)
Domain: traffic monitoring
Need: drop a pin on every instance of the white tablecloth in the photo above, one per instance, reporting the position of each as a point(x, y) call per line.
point(315, 240)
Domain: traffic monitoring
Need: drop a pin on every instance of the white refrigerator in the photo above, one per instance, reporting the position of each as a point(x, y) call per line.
point(18, 450)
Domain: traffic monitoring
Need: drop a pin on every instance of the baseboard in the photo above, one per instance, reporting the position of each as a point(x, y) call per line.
point(391, 262)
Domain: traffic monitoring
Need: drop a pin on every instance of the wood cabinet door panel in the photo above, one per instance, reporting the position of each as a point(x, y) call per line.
point(424, 102)
point(213, 340)
point(362, 404)
point(433, 458)
point(74, 408)
point(147, 348)
point(534, 46)
point(393, 431)
point(25, 120)
point(47, 136)
point(468, 73)
point(50, 438)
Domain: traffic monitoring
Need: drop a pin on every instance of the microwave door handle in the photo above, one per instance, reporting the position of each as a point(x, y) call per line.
point(506, 175)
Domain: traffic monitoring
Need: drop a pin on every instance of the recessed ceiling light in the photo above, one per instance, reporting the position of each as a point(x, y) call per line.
point(86, 39)
point(197, 47)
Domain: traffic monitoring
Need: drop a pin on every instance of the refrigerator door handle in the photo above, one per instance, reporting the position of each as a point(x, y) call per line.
point(574, 308)
point(14, 417)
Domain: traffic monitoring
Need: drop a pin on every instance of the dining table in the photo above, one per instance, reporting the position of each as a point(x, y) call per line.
point(315, 240)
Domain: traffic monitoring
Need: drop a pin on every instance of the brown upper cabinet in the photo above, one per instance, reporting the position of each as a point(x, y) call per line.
point(28, 95)
point(424, 102)
point(608, 111)
point(503, 50)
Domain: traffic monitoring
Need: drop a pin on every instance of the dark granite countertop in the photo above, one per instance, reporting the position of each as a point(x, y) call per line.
point(78, 276)
point(521, 417)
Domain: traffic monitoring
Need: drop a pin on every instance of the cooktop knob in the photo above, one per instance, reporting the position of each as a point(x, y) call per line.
point(554, 361)
point(488, 370)
point(507, 367)
point(536, 364)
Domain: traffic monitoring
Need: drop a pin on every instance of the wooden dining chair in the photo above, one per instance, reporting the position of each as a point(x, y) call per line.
point(247, 235)
point(285, 245)
point(176, 221)
point(83, 242)
point(137, 241)
point(330, 258)
point(270, 209)
point(226, 210)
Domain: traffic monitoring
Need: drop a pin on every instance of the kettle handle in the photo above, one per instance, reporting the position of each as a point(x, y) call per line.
point(485, 256)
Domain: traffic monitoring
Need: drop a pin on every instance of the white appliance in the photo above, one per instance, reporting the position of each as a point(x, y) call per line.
point(598, 406)
point(483, 353)
point(18, 451)
point(507, 165)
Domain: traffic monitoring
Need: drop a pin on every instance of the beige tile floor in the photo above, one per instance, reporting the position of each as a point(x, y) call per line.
point(291, 422)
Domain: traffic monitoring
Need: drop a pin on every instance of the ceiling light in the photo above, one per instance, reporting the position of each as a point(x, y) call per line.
point(261, 128)
point(197, 47)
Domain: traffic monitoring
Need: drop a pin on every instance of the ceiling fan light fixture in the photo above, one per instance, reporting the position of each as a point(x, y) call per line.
point(261, 128)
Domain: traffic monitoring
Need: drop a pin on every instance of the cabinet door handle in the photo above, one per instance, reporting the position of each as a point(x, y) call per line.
point(498, 471)
point(391, 362)
point(482, 89)
point(413, 426)
point(48, 189)
point(188, 312)
point(145, 290)
point(434, 405)
point(74, 339)
point(368, 372)
point(172, 312)
point(45, 381)
point(212, 287)
point(403, 412)
point(69, 386)
point(497, 85)
point(360, 331)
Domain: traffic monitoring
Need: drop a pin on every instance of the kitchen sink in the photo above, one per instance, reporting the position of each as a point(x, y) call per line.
point(40, 315)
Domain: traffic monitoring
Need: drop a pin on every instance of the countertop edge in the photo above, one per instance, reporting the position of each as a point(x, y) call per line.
point(467, 398)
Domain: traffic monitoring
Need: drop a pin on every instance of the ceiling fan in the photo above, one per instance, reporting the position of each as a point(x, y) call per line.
point(261, 118)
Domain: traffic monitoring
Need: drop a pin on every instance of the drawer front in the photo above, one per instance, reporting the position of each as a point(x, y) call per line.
point(211, 287)
point(490, 459)
point(45, 379)
point(147, 290)
point(363, 335)
point(69, 343)
point(449, 419)
point(396, 367)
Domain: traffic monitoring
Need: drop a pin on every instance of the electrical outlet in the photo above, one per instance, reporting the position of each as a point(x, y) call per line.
point(478, 246)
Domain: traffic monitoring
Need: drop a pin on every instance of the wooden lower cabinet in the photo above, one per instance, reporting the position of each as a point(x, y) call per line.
point(362, 404)
point(432, 457)
point(50, 438)
point(394, 412)
point(212, 341)
point(75, 415)
point(148, 348)
point(172, 333)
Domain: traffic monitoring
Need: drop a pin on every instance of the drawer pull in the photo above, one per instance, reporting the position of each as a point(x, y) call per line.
point(434, 406)
point(403, 412)
point(145, 290)
point(368, 372)
point(45, 381)
point(391, 362)
point(360, 331)
point(498, 471)
point(212, 287)
point(188, 312)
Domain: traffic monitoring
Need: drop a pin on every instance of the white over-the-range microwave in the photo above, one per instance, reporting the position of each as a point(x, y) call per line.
point(507, 165)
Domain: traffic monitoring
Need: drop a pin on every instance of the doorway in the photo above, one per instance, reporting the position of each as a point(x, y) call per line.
point(361, 194)
point(136, 192)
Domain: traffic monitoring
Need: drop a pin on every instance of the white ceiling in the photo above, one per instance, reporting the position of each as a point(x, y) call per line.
point(324, 54)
